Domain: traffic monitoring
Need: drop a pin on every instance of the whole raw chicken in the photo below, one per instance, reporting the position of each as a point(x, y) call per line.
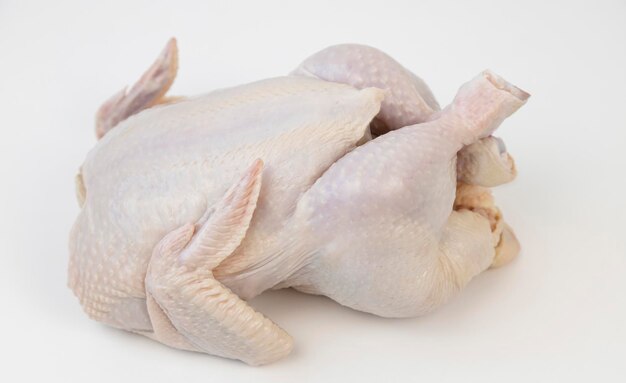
point(344, 179)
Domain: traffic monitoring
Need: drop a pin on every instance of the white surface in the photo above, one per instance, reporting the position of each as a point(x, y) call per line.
point(558, 312)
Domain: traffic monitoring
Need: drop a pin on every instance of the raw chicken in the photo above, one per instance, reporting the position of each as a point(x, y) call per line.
point(190, 206)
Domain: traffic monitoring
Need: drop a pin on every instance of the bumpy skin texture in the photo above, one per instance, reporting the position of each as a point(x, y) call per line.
point(192, 207)
point(408, 99)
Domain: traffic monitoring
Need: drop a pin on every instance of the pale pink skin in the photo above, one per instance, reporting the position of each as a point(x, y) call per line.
point(190, 208)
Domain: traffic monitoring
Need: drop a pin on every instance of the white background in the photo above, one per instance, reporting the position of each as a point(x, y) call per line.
point(558, 312)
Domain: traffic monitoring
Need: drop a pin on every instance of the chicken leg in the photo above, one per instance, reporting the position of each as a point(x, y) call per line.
point(412, 251)
point(409, 101)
